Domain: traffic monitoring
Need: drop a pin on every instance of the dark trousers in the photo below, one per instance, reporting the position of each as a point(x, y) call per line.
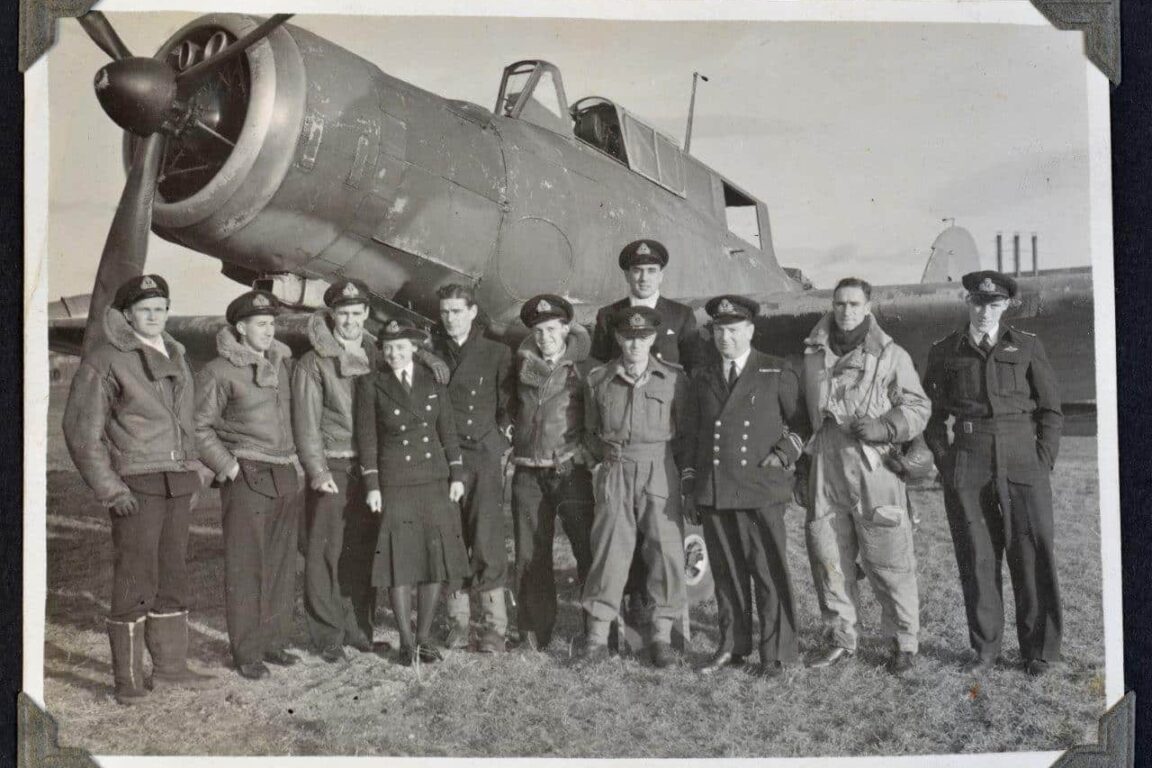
point(150, 572)
point(538, 496)
point(749, 557)
point(338, 595)
point(989, 515)
point(261, 512)
point(482, 520)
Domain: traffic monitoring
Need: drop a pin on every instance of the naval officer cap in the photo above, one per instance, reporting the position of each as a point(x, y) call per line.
point(397, 329)
point(546, 306)
point(347, 291)
point(635, 322)
point(250, 304)
point(640, 252)
point(731, 309)
point(139, 288)
point(989, 285)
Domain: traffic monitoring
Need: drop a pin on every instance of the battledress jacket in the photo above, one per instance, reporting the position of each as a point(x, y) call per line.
point(129, 411)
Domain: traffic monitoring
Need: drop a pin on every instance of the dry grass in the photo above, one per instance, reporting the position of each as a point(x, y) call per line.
point(540, 704)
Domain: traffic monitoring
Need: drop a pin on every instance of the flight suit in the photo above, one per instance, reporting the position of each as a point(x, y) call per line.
point(742, 500)
point(637, 431)
point(858, 506)
point(997, 491)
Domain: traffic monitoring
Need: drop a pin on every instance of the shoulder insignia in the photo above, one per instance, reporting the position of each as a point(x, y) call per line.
point(670, 364)
point(1022, 333)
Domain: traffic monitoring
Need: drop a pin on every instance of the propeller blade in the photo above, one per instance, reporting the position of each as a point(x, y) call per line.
point(100, 30)
point(194, 75)
point(127, 245)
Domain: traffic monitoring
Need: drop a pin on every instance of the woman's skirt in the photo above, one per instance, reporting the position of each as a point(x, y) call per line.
point(420, 537)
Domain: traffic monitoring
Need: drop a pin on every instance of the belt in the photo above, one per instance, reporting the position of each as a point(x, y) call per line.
point(1008, 424)
point(616, 451)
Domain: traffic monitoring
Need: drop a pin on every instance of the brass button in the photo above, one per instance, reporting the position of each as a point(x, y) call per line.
point(469, 422)
point(425, 439)
point(405, 442)
point(717, 422)
point(403, 427)
point(743, 449)
point(471, 408)
point(743, 462)
point(396, 412)
point(427, 407)
point(747, 423)
point(716, 461)
point(744, 437)
point(473, 393)
point(407, 458)
point(716, 449)
point(716, 436)
point(427, 455)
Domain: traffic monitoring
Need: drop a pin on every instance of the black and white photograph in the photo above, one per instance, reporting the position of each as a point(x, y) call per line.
point(696, 380)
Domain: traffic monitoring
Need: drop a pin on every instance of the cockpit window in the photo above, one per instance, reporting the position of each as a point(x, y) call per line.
point(533, 91)
point(598, 123)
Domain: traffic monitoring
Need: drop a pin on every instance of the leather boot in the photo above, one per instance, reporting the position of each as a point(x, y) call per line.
point(167, 640)
point(458, 608)
point(127, 641)
point(494, 615)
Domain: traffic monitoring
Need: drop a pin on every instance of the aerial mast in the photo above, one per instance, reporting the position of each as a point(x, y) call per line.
point(691, 110)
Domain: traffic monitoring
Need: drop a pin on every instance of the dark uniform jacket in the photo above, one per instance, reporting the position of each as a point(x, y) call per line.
point(1016, 381)
point(548, 410)
point(480, 387)
point(323, 386)
point(619, 414)
point(129, 411)
point(405, 438)
point(244, 405)
point(677, 341)
point(736, 431)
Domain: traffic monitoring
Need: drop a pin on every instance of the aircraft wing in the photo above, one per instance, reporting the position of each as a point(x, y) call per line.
point(196, 332)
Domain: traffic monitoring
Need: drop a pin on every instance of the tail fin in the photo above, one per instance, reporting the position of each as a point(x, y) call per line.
point(954, 254)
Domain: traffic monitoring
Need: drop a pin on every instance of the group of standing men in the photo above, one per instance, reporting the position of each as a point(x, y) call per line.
point(666, 429)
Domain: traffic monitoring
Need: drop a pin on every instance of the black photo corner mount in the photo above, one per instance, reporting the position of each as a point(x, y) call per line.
point(1099, 20)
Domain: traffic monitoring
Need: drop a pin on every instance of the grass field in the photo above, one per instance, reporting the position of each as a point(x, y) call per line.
point(540, 704)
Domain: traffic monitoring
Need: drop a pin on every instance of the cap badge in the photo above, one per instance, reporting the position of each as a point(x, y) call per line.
point(350, 290)
point(392, 327)
point(260, 300)
point(987, 286)
point(637, 320)
point(147, 284)
point(543, 306)
point(643, 250)
point(725, 307)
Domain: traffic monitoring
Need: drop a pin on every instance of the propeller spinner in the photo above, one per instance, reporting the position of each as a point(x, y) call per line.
point(150, 99)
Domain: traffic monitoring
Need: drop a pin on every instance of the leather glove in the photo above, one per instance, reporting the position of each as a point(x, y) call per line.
point(438, 367)
point(876, 430)
point(125, 507)
point(691, 514)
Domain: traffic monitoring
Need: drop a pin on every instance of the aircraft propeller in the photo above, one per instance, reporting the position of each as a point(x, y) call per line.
point(150, 99)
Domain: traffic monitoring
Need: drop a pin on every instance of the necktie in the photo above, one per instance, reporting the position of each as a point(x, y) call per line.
point(985, 344)
point(404, 380)
point(732, 375)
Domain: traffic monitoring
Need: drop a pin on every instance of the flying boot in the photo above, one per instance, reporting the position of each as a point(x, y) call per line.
point(127, 641)
point(494, 616)
point(167, 639)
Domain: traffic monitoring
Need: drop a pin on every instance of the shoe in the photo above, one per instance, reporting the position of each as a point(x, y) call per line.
point(662, 654)
point(719, 661)
point(428, 654)
point(901, 662)
point(254, 671)
point(774, 669)
point(363, 646)
point(593, 653)
point(166, 635)
point(979, 665)
point(491, 642)
point(333, 654)
point(280, 658)
point(827, 658)
point(1036, 667)
point(406, 657)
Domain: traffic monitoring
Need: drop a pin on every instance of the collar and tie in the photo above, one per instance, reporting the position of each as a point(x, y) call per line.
point(986, 345)
point(733, 375)
point(407, 384)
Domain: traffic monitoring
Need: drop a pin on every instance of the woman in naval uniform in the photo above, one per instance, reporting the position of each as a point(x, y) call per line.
point(413, 474)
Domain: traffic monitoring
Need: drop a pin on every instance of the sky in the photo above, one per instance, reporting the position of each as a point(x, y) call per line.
point(861, 138)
